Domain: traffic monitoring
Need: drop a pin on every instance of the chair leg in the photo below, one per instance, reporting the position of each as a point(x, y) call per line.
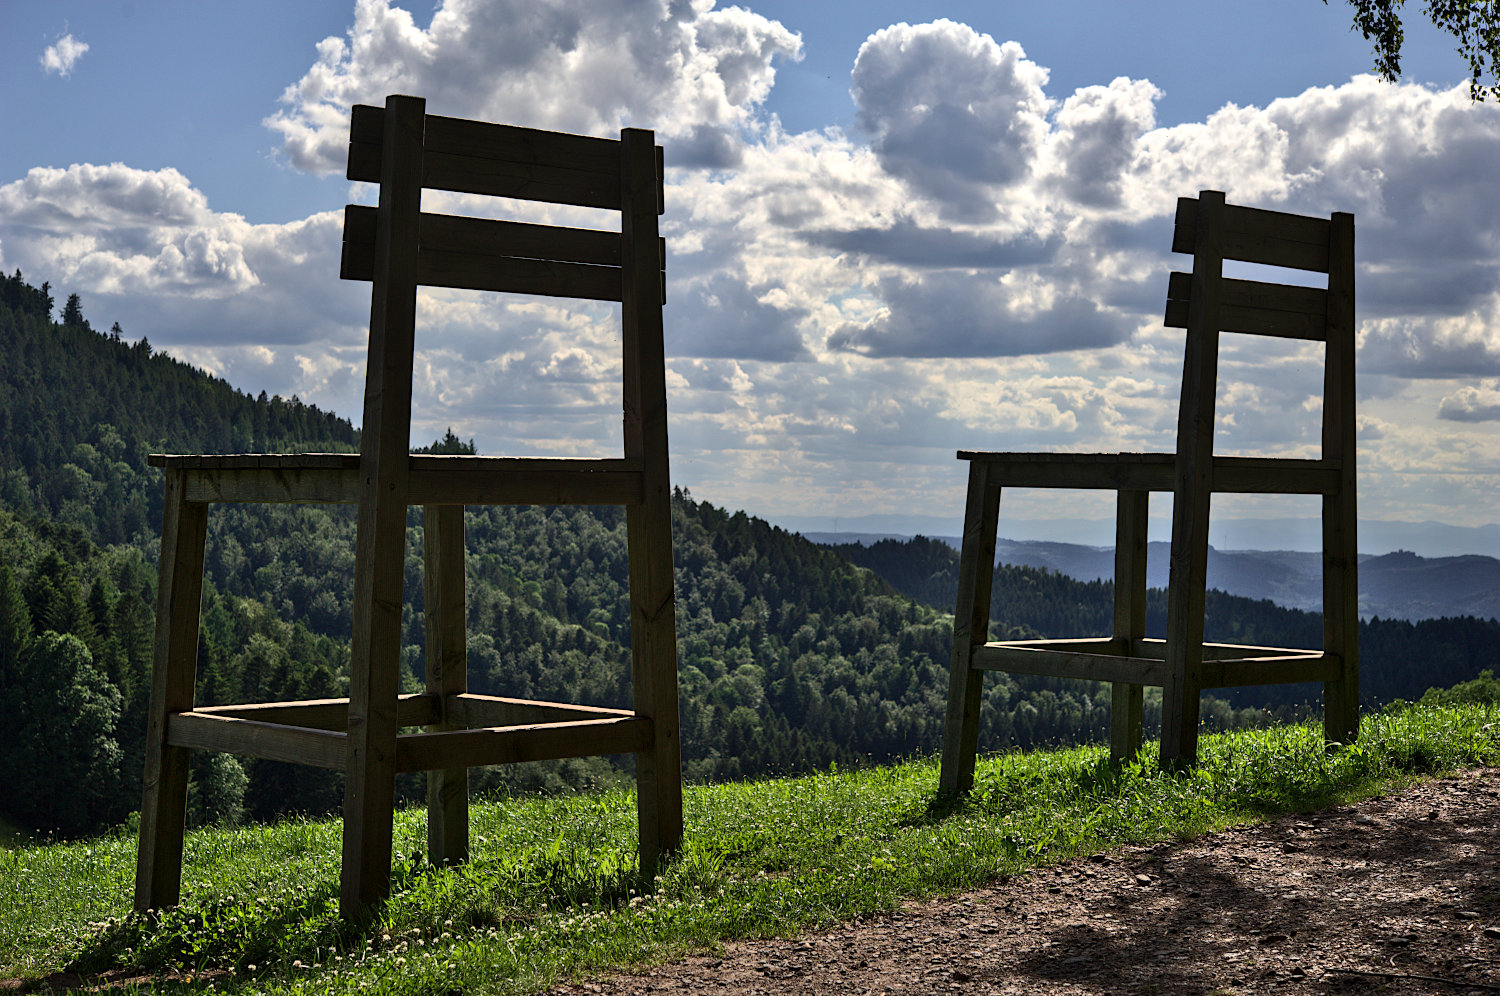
point(447, 674)
point(653, 647)
point(1340, 620)
point(158, 874)
point(1125, 701)
point(971, 624)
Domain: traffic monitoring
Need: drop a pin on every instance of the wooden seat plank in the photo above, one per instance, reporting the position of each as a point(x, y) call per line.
point(512, 744)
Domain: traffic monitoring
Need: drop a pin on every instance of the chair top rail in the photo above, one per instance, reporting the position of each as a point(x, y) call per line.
point(1255, 235)
point(478, 157)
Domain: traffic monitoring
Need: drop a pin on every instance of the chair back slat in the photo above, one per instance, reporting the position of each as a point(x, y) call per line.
point(475, 157)
point(1255, 307)
point(1254, 235)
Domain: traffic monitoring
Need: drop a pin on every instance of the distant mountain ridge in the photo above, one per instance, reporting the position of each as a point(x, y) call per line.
point(1399, 585)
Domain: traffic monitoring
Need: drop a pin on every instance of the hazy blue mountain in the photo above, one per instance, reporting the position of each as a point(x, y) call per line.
point(1400, 585)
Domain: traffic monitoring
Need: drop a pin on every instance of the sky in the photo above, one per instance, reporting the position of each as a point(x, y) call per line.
point(895, 230)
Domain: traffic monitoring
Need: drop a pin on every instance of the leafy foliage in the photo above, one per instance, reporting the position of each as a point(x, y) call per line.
point(1473, 24)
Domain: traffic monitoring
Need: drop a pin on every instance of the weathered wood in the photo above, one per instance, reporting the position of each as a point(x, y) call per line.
point(380, 539)
point(653, 625)
point(513, 744)
point(1255, 307)
point(1087, 471)
point(447, 674)
point(1340, 516)
point(618, 483)
point(472, 711)
point(327, 714)
point(971, 625)
point(1127, 700)
point(1311, 665)
point(1193, 491)
point(1274, 475)
point(179, 596)
point(253, 738)
point(1104, 666)
point(1254, 235)
point(265, 484)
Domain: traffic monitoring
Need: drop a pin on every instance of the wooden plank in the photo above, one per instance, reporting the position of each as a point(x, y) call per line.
point(971, 625)
point(1020, 659)
point(500, 160)
point(250, 738)
point(255, 461)
point(1274, 475)
point(1340, 515)
point(447, 675)
point(653, 611)
point(1127, 700)
point(434, 480)
point(520, 484)
point(1273, 670)
point(1157, 650)
point(179, 596)
point(1085, 645)
point(1255, 307)
point(509, 745)
point(1087, 471)
point(380, 539)
point(298, 485)
point(326, 714)
point(1193, 490)
point(476, 711)
point(1254, 235)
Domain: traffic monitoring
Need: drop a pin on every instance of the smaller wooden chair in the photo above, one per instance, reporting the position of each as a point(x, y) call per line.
point(1205, 303)
point(397, 247)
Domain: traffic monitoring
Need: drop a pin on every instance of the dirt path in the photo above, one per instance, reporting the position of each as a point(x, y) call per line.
point(1399, 894)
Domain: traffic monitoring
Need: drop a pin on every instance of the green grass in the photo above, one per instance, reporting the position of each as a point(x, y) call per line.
point(553, 891)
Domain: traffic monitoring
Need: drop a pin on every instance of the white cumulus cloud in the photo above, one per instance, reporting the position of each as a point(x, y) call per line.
point(61, 56)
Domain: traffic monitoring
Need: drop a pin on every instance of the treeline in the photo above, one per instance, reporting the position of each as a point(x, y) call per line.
point(791, 657)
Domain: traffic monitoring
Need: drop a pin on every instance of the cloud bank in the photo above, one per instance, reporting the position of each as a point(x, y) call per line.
point(981, 264)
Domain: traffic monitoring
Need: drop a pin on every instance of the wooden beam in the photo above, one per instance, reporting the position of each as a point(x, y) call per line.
point(1255, 307)
point(1127, 699)
point(971, 626)
point(179, 597)
point(1274, 475)
point(476, 711)
point(526, 482)
point(326, 714)
point(447, 675)
point(1193, 488)
point(1253, 235)
point(1340, 515)
point(512, 744)
point(1068, 664)
point(380, 541)
point(653, 605)
point(252, 738)
point(1089, 471)
point(1271, 670)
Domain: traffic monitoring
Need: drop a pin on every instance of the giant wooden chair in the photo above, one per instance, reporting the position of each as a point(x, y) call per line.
point(1205, 303)
point(398, 247)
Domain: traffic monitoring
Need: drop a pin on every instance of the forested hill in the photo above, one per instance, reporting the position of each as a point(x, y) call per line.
point(80, 410)
point(791, 657)
point(1398, 659)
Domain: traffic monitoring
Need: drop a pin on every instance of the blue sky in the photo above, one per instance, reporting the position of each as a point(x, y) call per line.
point(896, 229)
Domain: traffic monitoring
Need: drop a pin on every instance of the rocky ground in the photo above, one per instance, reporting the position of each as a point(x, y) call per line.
point(1398, 894)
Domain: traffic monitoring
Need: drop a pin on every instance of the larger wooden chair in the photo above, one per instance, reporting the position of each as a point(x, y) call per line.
point(1205, 303)
point(398, 247)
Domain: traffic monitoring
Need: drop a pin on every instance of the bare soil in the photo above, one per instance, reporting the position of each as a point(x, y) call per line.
point(1398, 894)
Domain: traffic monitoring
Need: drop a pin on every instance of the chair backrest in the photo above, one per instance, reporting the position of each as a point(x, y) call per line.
point(1205, 302)
point(398, 247)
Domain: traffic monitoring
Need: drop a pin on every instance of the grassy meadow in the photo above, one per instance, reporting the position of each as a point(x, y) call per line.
point(553, 892)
